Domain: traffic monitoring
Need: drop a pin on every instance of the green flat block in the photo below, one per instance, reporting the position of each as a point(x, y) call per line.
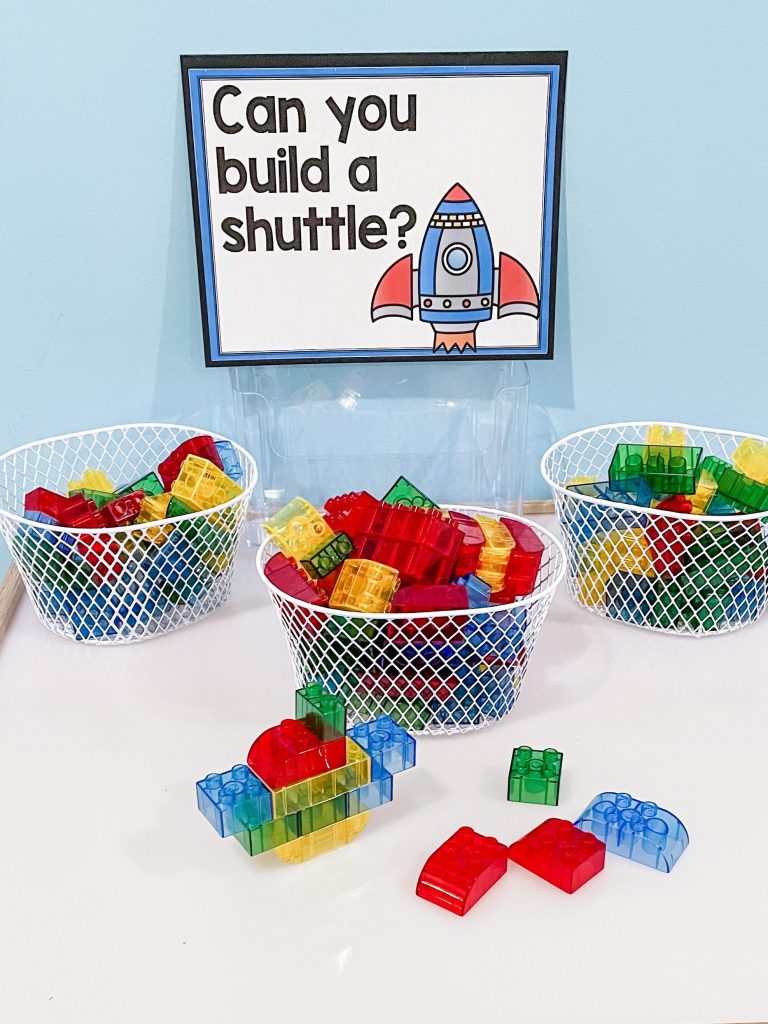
point(150, 483)
point(328, 557)
point(534, 776)
point(714, 466)
point(269, 834)
point(323, 713)
point(318, 816)
point(746, 494)
point(403, 492)
point(668, 469)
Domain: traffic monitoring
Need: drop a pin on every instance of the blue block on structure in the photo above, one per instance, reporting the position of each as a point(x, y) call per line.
point(229, 460)
point(636, 829)
point(386, 743)
point(748, 598)
point(478, 591)
point(629, 597)
point(497, 636)
point(378, 791)
point(237, 794)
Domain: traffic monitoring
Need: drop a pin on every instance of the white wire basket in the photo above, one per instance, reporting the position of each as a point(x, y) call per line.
point(120, 584)
point(434, 672)
point(695, 575)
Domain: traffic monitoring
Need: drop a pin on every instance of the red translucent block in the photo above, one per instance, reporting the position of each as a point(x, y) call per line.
point(408, 687)
point(668, 539)
point(79, 512)
point(203, 445)
point(102, 553)
point(124, 510)
point(431, 598)
point(290, 753)
point(524, 563)
point(560, 853)
point(283, 573)
point(419, 543)
point(462, 870)
point(472, 543)
point(45, 501)
point(343, 513)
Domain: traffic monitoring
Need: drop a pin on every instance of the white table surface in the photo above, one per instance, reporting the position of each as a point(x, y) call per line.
point(120, 903)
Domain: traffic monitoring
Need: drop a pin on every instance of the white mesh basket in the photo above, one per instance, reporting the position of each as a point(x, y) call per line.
point(122, 584)
point(694, 575)
point(434, 672)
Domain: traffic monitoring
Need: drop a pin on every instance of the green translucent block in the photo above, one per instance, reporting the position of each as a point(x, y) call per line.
point(668, 469)
point(177, 508)
point(323, 713)
point(320, 816)
point(150, 483)
point(328, 557)
point(744, 493)
point(403, 492)
point(697, 600)
point(268, 834)
point(48, 566)
point(534, 776)
point(714, 466)
point(343, 648)
point(99, 498)
point(411, 714)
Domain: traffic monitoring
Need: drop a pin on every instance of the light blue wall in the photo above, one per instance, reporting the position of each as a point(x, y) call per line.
point(662, 276)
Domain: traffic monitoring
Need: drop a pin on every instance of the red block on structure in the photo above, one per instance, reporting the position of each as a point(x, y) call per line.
point(431, 598)
point(45, 501)
point(462, 870)
point(124, 510)
point(343, 512)
point(560, 853)
point(419, 543)
point(472, 542)
point(202, 445)
point(669, 538)
point(283, 573)
point(523, 565)
point(289, 753)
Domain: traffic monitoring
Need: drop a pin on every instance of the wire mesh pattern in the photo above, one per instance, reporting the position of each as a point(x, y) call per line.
point(122, 584)
point(668, 571)
point(434, 672)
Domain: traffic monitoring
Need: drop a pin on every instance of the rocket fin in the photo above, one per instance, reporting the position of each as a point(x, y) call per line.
point(515, 291)
point(394, 292)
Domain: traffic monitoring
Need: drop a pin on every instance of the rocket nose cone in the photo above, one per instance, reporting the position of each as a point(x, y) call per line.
point(457, 194)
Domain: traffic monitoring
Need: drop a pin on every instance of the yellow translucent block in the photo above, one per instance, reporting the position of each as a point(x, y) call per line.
point(93, 480)
point(494, 555)
point(751, 457)
point(324, 840)
point(705, 491)
point(592, 588)
point(154, 507)
point(355, 773)
point(619, 550)
point(202, 485)
point(364, 586)
point(659, 434)
point(581, 480)
point(298, 529)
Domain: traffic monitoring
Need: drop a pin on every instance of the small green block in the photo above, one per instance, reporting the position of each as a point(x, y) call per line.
point(177, 508)
point(534, 776)
point(746, 494)
point(714, 466)
point(99, 498)
point(150, 483)
point(328, 557)
point(403, 492)
point(318, 816)
point(323, 713)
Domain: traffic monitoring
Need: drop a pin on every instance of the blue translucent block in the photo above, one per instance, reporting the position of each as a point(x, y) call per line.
point(432, 662)
point(586, 519)
point(179, 570)
point(629, 597)
point(238, 793)
point(229, 460)
point(386, 743)
point(497, 637)
point(105, 610)
point(718, 506)
point(636, 829)
point(375, 793)
point(478, 591)
point(471, 703)
point(63, 542)
point(748, 598)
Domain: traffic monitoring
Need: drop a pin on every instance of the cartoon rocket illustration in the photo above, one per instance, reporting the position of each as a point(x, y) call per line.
point(456, 285)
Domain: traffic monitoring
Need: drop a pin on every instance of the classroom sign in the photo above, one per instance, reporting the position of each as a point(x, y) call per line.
point(375, 206)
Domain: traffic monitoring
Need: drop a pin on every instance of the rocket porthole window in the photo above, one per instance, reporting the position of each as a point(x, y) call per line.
point(457, 259)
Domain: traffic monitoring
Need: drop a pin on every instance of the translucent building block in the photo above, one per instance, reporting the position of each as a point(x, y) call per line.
point(523, 564)
point(607, 553)
point(221, 797)
point(386, 743)
point(378, 791)
point(92, 480)
point(322, 712)
point(323, 841)
point(257, 837)
point(748, 599)
point(745, 494)
point(706, 489)
point(124, 510)
point(48, 566)
point(498, 636)
point(718, 506)
point(751, 458)
point(364, 586)
point(298, 529)
point(534, 776)
point(462, 870)
point(150, 483)
point(669, 469)
point(201, 485)
point(420, 543)
point(559, 853)
point(177, 508)
point(99, 498)
point(345, 511)
point(478, 591)
point(179, 571)
point(658, 434)
point(283, 573)
point(413, 713)
point(230, 460)
point(289, 753)
point(473, 541)
point(629, 598)
point(154, 508)
point(328, 557)
point(494, 556)
point(403, 492)
point(636, 829)
point(354, 773)
point(201, 446)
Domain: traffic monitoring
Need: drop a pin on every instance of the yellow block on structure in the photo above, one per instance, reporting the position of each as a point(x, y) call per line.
point(355, 773)
point(751, 457)
point(364, 586)
point(659, 434)
point(298, 529)
point(201, 485)
point(93, 480)
point(324, 840)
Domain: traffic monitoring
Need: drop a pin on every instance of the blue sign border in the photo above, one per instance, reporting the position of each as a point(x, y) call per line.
point(196, 69)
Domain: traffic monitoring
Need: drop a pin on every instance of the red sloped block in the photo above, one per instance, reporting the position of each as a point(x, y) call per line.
point(289, 753)
point(443, 597)
point(48, 502)
point(560, 853)
point(472, 543)
point(462, 870)
point(418, 542)
point(523, 565)
point(284, 574)
point(202, 445)
point(345, 510)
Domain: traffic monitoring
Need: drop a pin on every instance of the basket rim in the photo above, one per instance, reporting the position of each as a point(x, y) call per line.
point(143, 527)
point(545, 593)
point(739, 517)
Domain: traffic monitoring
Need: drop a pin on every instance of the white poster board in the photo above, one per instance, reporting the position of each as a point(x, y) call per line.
point(375, 207)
